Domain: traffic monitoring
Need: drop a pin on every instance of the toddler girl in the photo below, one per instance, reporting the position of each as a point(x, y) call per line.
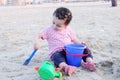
point(58, 35)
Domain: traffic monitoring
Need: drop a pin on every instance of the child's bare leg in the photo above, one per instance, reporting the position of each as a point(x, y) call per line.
point(89, 59)
point(67, 68)
point(61, 65)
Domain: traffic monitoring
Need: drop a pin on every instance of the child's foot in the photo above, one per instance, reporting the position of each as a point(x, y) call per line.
point(89, 65)
point(69, 69)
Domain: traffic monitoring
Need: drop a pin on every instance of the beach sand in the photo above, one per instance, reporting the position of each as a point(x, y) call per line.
point(97, 24)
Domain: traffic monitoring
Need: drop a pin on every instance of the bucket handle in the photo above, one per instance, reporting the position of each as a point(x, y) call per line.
point(77, 55)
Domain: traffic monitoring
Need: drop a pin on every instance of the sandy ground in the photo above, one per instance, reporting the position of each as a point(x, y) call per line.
point(98, 24)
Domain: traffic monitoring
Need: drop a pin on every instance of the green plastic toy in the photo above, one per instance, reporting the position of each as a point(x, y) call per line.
point(47, 71)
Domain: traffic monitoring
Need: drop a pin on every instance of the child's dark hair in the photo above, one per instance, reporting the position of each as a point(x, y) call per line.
point(63, 13)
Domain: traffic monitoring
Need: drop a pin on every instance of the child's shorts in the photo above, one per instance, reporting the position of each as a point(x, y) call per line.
point(60, 56)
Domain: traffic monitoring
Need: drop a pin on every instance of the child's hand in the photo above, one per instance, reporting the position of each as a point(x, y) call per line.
point(83, 43)
point(37, 45)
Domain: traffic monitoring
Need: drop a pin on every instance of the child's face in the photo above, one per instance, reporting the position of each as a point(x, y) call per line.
point(58, 24)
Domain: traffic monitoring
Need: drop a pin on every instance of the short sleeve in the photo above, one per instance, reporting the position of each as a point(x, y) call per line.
point(43, 34)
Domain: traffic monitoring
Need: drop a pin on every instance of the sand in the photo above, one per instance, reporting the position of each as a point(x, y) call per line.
point(97, 24)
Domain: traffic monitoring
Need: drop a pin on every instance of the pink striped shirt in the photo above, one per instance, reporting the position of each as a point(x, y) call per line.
point(57, 39)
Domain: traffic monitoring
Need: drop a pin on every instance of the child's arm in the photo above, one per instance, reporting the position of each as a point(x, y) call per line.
point(74, 39)
point(77, 42)
point(40, 36)
point(37, 41)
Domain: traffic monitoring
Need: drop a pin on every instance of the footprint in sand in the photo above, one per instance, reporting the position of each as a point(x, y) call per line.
point(116, 68)
point(110, 67)
point(106, 64)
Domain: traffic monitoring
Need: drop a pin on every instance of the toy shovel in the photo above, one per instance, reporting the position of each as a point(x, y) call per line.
point(30, 57)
